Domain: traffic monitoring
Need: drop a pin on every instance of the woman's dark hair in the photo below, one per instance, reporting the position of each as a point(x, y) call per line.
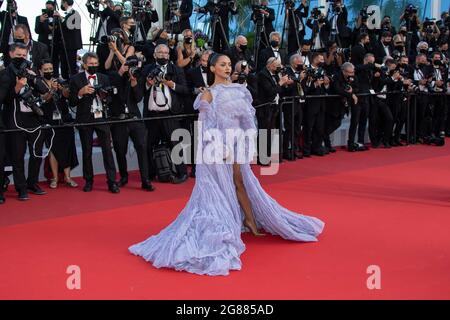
point(44, 61)
point(212, 60)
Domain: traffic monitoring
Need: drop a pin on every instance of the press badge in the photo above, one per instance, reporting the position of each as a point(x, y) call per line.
point(56, 115)
point(98, 114)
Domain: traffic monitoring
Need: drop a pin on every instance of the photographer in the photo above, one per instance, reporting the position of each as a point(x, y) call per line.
point(430, 33)
point(21, 111)
point(422, 78)
point(264, 16)
point(187, 52)
point(411, 19)
point(63, 153)
point(296, 26)
point(46, 27)
point(345, 85)
point(165, 89)
point(269, 89)
point(71, 33)
point(438, 86)
point(130, 94)
point(120, 48)
point(87, 94)
point(334, 58)
point(362, 27)
point(386, 26)
point(369, 80)
point(313, 131)
point(9, 18)
point(178, 14)
point(36, 51)
point(240, 51)
point(273, 51)
point(243, 76)
point(360, 49)
point(219, 11)
point(383, 47)
point(320, 27)
point(295, 72)
point(146, 13)
point(340, 32)
point(109, 17)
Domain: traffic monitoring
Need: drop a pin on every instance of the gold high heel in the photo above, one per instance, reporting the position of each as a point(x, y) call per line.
point(253, 229)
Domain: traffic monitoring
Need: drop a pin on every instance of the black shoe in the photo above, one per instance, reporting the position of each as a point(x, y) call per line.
point(113, 187)
point(307, 154)
point(331, 149)
point(147, 186)
point(289, 157)
point(6, 183)
point(88, 186)
point(352, 147)
point(35, 189)
point(2, 199)
point(298, 155)
point(23, 195)
point(361, 147)
point(387, 145)
point(178, 180)
point(376, 144)
point(123, 181)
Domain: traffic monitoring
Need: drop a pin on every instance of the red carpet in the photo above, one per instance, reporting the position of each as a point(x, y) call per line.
point(389, 208)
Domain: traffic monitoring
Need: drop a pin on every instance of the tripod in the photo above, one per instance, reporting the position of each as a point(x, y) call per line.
point(290, 13)
point(64, 48)
point(260, 29)
point(216, 42)
point(8, 14)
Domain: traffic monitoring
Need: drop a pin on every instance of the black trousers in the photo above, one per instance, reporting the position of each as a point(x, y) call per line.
point(221, 37)
point(422, 106)
point(400, 117)
point(104, 136)
point(292, 126)
point(358, 120)
point(2, 160)
point(69, 63)
point(161, 130)
point(121, 133)
point(380, 121)
point(439, 113)
point(19, 142)
point(314, 126)
point(333, 121)
point(267, 120)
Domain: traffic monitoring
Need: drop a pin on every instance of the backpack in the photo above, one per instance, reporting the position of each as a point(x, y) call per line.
point(163, 163)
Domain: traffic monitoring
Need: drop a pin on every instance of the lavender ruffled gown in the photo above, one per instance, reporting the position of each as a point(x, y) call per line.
point(206, 236)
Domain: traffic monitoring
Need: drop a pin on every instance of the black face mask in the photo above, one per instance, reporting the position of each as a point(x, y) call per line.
point(299, 67)
point(305, 53)
point(48, 75)
point(403, 33)
point(278, 70)
point(162, 61)
point(92, 69)
point(420, 65)
point(399, 48)
point(386, 43)
point(321, 65)
point(132, 29)
point(243, 47)
point(17, 62)
point(425, 51)
point(19, 40)
point(274, 43)
point(118, 12)
point(188, 40)
point(437, 63)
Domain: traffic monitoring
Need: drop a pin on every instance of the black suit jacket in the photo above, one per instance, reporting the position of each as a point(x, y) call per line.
point(357, 54)
point(236, 56)
point(7, 29)
point(185, 11)
point(84, 104)
point(178, 95)
point(72, 34)
point(299, 13)
point(268, 21)
point(43, 31)
point(194, 78)
point(379, 53)
point(324, 31)
point(268, 88)
point(38, 52)
point(266, 53)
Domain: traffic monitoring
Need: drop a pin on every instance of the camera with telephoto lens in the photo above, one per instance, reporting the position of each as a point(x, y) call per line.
point(290, 4)
point(315, 74)
point(410, 10)
point(31, 101)
point(242, 76)
point(105, 93)
point(48, 12)
point(315, 13)
point(135, 66)
point(22, 71)
point(348, 83)
point(159, 75)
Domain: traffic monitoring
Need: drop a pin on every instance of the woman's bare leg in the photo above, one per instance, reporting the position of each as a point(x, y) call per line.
point(244, 201)
point(53, 166)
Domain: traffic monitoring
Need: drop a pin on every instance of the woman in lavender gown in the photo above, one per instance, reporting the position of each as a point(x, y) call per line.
point(227, 198)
